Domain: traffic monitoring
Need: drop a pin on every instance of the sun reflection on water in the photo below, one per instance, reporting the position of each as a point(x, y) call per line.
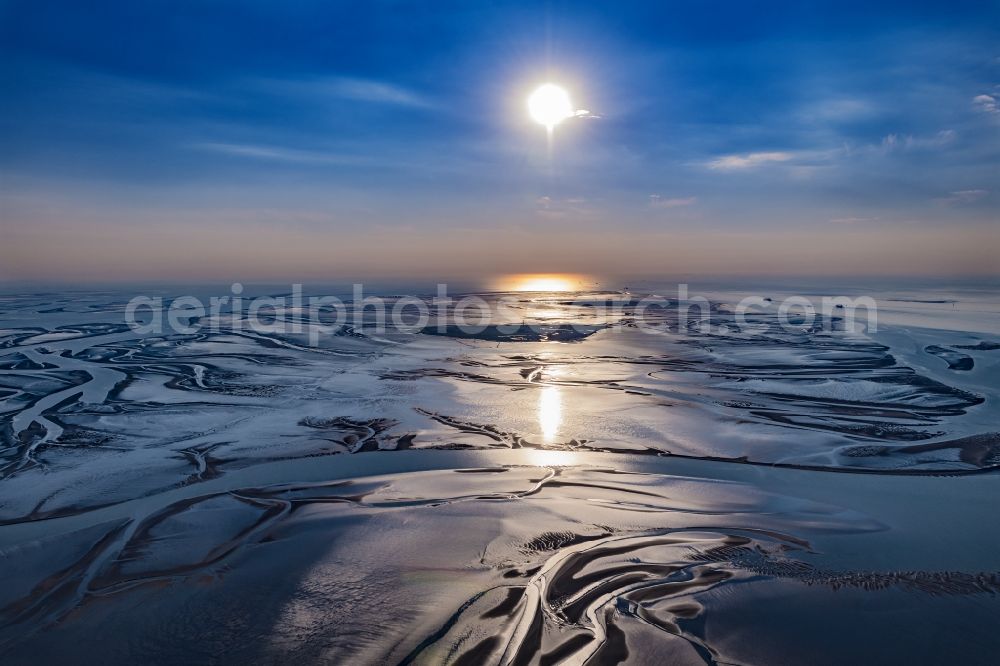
point(550, 412)
point(543, 458)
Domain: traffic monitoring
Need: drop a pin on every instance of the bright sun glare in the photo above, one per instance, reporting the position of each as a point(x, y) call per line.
point(539, 282)
point(549, 105)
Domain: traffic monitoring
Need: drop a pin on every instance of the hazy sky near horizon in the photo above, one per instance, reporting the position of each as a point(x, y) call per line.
point(311, 140)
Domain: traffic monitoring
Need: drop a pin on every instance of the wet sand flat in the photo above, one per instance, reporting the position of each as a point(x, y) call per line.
point(750, 495)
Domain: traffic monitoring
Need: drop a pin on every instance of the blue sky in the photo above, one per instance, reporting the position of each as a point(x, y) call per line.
point(152, 134)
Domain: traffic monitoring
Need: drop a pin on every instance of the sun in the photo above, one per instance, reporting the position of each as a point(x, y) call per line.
point(549, 105)
point(540, 282)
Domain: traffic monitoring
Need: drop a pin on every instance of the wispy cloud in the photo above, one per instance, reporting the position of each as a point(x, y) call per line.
point(657, 201)
point(894, 142)
point(748, 161)
point(355, 89)
point(838, 109)
point(577, 207)
point(964, 197)
point(986, 104)
point(276, 153)
point(368, 90)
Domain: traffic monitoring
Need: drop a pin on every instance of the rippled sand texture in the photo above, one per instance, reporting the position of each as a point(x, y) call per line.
point(520, 496)
point(510, 564)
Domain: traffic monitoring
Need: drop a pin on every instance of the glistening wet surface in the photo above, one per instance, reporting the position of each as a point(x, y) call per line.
point(754, 494)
